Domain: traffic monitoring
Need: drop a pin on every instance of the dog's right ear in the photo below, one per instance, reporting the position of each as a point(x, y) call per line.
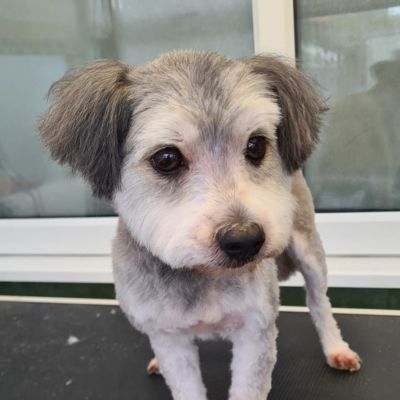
point(301, 108)
point(88, 121)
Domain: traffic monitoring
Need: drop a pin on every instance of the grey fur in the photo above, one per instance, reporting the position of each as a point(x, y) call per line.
point(93, 107)
point(87, 124)
point(186, 287)
point(301, 107)
point(172, 280)
point(201, 83)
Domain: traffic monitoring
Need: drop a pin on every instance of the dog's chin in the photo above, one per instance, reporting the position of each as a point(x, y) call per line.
point(224, 266)
point(242, 264)
point(229, 267)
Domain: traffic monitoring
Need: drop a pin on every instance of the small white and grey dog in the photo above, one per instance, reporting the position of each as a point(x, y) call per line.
point(200, 155)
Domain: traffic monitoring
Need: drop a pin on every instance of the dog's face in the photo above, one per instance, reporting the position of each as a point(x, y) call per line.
point(195, 151)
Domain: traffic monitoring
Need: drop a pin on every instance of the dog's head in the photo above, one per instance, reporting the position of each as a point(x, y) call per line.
point(194, 150)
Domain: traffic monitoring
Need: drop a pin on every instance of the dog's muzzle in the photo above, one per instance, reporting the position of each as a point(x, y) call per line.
point(242, 241)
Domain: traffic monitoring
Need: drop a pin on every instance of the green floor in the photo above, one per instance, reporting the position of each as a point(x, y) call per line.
point(340, 297)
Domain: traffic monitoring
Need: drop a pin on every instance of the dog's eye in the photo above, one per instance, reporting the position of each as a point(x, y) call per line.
point(256, 148)
point(167, 161)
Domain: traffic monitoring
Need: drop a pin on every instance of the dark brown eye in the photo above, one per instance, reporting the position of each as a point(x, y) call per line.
point(167, 161)
point(256, 148)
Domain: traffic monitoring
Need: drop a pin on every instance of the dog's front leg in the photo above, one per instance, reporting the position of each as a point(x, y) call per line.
point(179, 364)
point(307, 252)
point(254, 357)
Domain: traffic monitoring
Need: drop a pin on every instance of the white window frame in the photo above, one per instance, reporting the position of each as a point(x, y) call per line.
point(363, 248)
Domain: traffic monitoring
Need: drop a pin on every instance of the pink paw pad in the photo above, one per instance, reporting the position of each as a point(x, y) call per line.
point(153, 367)
point(346, 360)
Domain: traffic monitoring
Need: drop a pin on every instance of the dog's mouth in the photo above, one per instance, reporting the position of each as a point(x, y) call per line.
point(237, 264)
point(232, 266)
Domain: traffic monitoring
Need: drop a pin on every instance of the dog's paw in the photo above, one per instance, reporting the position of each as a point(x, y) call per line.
point(153, 367)
point(344, 359)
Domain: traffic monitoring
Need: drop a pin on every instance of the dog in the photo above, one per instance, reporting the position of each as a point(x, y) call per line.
point(201, 157)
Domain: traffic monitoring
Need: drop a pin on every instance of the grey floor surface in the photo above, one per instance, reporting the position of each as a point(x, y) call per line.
point(89, 352)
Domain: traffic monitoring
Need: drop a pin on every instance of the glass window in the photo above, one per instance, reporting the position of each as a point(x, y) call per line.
point(40, 40)
point(352, 50)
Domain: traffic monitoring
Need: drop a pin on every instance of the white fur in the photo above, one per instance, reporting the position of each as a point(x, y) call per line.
point(177, 223)
point(214, 187)
point(237, 318)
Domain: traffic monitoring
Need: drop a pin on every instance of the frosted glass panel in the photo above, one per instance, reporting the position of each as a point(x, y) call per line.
point(147, 28)
point(40, 40)
point(352, 49)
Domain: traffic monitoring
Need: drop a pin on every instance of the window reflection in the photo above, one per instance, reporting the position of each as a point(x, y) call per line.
point(352, 50)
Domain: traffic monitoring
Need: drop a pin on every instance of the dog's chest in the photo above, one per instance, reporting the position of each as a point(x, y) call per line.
point(219, 310)
point(186, 301)
point(228, 323)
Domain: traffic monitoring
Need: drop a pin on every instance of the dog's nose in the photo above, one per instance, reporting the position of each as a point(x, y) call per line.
point(241, 241)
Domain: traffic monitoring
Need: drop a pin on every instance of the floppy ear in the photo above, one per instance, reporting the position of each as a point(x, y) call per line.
point(301, 108)
point(88, 121)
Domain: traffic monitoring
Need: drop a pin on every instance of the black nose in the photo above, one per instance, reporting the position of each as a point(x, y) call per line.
point(241, 241)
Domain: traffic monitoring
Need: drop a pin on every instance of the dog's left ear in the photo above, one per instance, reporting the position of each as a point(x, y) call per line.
point(301, 108)
point(88, 122)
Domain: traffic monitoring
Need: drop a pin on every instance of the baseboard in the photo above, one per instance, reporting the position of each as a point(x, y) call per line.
point(363, 272)
point(364, 234)
point(82, 269)
point(114, 302)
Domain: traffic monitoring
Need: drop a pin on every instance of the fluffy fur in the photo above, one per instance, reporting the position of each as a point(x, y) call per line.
point(172, 279)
